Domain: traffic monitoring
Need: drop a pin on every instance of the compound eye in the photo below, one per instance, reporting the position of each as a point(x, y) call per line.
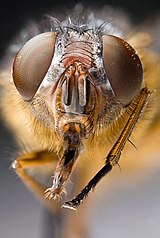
point(32, 63)
point(123, 68)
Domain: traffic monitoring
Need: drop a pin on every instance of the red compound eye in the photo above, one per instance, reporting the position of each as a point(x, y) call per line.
point(32, 63)
point(123, 68)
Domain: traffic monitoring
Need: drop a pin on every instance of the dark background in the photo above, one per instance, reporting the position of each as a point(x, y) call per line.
point(20, 212)
point(13, 14)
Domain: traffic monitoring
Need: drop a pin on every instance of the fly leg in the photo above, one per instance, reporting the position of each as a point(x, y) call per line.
point(29, 168)
point(60, 176)
point(72, 137)
point(138, 104)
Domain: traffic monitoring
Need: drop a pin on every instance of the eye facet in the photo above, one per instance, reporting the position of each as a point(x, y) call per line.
point(123, 68)
point(32, 63)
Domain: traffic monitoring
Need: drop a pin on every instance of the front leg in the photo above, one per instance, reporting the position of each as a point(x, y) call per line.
point(35, 170)
point(138, 104)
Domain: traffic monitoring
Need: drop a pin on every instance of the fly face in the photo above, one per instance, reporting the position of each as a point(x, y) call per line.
point(77, 83)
